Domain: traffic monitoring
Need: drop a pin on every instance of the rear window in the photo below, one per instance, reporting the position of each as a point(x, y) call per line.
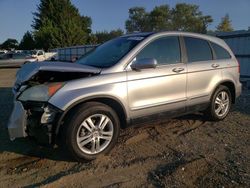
point(197, 49)
point(220, 52)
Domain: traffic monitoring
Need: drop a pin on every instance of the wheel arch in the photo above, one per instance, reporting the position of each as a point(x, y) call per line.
point(230, 85)
point(110, 101)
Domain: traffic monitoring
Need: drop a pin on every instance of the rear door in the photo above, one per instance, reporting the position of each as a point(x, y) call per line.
point(227, 63)
point(162, 89)
point(202, 71)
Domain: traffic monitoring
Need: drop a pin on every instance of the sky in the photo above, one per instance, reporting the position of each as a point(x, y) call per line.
point(16, 15)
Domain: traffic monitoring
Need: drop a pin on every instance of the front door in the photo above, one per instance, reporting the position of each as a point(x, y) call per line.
point(163, 89)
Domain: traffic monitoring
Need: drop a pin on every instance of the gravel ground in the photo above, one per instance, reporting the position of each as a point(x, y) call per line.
point(183, 152)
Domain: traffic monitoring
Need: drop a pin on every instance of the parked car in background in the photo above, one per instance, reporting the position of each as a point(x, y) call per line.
point(13, 59)
point(40, 55)
point(3, 51)
point(132, 79)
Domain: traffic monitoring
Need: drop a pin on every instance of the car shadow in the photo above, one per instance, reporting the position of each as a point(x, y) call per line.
point(24, 146)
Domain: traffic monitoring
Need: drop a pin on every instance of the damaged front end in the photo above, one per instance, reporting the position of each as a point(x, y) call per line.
point(34, 119)
point(32, 114)
point(41, 120)
point(17, 121)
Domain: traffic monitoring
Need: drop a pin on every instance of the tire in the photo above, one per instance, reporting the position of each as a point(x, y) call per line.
point(213, 112)
point(81, 137)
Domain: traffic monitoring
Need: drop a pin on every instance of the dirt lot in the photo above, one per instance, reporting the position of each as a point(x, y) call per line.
point(182, 152)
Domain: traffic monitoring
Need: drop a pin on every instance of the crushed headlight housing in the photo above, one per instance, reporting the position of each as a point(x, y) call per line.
point(40, 92)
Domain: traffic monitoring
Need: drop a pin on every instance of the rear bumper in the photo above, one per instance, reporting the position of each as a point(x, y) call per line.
point(17, 121)
point(238, 90)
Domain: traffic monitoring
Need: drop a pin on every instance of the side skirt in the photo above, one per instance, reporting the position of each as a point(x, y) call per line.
point(161, 116)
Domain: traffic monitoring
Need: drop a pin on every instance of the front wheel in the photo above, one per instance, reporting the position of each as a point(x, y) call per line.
point(220, 104)
point(92, 130)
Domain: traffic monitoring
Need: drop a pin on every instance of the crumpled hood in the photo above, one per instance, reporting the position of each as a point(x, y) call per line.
point(27, 71)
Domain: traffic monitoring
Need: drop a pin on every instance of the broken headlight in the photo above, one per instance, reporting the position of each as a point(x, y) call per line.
point(40, 92)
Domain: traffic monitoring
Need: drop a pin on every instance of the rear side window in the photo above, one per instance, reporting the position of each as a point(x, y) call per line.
point(220, 52)
point(197, 49)
point(165, 50)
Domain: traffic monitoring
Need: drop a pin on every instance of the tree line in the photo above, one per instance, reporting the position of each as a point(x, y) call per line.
point(58, 23)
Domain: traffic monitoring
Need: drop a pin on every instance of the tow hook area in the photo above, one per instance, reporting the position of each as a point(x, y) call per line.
point(40, 121)
point(48, 116)
point(47, 119)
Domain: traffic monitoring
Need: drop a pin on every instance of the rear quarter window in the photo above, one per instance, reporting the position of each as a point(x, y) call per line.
point(220, 52)
point(197, 49)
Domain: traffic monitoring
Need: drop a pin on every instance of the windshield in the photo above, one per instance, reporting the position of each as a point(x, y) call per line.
point(109, 53)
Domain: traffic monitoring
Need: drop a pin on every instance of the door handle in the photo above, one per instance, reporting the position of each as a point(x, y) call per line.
point(215, 65)
point(177, 70)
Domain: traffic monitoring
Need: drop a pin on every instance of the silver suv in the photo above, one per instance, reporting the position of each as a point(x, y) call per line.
point(127, 80)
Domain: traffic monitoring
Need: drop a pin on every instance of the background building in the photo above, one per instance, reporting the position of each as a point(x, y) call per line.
point(239, 42)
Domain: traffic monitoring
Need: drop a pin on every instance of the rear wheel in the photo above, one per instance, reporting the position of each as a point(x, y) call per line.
point(91, 130)
point(220, 104)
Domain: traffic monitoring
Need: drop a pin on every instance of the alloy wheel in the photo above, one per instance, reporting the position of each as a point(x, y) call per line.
point(95, 133)
point(222, 103)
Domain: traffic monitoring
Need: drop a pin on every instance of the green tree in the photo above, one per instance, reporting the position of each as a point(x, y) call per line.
point(187, 17)
point(9, 44)
point(58, 23)
point(86, 24)
point(92, 39)
point(138, 20)
point(183, 17)
point(27, 42)
point(104, 36)
point(160, 18)
point(225, 25)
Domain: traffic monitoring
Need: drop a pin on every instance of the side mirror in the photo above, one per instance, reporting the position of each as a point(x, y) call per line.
point(146, 63)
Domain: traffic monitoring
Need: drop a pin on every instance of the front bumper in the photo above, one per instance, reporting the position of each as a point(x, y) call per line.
point(17, 121)
point(33, 119)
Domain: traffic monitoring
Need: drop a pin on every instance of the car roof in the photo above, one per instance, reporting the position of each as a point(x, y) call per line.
point(181, 33)
point(184, 33)
point(138, 34)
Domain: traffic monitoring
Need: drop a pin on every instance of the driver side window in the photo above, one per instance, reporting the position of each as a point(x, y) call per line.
point(165, 50)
